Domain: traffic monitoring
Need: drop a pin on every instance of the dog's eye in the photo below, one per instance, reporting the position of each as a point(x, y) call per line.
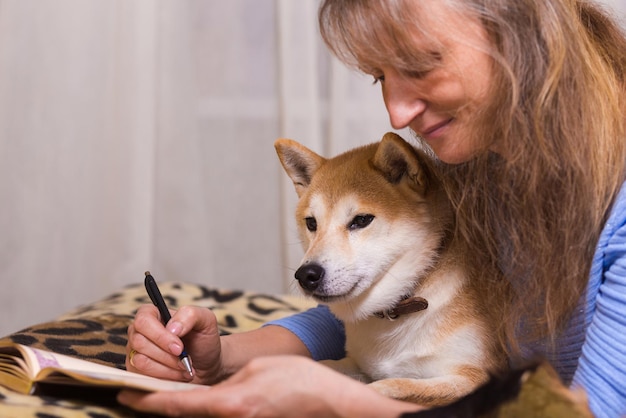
point(311, 223)
point(361, 221)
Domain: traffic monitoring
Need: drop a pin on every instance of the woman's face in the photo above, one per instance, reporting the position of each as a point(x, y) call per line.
point(442, 104)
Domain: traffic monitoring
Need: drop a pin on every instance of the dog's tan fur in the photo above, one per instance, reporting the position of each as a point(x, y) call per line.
point(382, 232)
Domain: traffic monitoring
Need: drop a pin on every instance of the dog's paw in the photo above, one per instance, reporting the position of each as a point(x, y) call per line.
point(388, 387)
point(421, 391)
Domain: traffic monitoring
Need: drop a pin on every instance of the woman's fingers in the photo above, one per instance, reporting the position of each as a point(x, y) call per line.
point(154, 349)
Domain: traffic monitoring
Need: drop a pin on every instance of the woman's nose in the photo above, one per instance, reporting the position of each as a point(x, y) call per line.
point(402, 101)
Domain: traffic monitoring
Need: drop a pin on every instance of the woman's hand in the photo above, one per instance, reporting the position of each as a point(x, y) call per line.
point(277, 386)
point(153, 349)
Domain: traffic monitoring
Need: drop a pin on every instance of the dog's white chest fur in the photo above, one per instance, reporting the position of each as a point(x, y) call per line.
point(419, 345)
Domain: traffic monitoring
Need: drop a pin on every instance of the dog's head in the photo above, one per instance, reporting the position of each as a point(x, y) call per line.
point(368, 221)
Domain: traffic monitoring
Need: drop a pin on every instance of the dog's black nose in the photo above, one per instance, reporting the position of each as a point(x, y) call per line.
point(310, 276)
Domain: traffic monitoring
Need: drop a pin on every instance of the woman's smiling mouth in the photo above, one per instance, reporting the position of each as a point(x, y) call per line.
point(436, 130)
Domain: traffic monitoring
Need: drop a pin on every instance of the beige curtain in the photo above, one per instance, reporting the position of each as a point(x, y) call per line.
point(137, 135)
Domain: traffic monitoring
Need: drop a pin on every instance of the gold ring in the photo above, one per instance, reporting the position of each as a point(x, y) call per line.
point(131, 355)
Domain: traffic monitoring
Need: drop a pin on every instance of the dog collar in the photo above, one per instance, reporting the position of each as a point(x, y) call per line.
point(404, 307)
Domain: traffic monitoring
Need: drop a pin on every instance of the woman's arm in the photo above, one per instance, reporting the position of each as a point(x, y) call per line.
point(278, 386)
point(602, 367)
point(238, 349)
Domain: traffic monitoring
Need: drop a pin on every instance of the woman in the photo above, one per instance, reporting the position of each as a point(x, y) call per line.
point(525, 102)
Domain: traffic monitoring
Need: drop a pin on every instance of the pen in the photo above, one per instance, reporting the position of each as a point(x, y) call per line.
point(157, 299)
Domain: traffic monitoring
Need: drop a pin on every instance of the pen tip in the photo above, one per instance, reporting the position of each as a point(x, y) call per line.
point(187, 363)
point(147, 273)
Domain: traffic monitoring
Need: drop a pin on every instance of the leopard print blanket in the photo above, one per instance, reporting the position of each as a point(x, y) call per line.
point(97, 332)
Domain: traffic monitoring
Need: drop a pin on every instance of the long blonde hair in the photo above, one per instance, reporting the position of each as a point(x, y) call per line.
point(533, 212)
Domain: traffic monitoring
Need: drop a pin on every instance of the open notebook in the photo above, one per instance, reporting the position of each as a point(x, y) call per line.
point(23, 368)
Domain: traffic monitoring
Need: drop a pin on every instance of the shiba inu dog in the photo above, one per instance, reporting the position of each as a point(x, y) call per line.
point(379, 251)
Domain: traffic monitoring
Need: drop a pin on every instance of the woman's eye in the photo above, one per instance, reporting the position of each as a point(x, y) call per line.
point(361, 221)
point(378, 79)
point(311, 223)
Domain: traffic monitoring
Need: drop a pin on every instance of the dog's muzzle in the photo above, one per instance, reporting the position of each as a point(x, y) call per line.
point(310, 276)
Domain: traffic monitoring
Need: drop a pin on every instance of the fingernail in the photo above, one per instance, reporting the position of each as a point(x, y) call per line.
point(175, 349)
point(174, 327)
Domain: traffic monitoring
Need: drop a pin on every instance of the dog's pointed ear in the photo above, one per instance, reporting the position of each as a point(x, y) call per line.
point(397, 160)
point(299, 162)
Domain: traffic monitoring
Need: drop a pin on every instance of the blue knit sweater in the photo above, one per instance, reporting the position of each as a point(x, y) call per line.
point(590, 354)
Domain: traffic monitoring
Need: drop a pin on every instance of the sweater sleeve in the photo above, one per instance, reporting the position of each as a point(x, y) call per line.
point(602, 366)
point(320, 331)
